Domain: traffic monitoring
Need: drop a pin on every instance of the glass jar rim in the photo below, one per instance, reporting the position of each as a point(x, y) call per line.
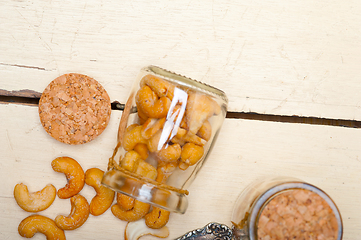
point(185, 81)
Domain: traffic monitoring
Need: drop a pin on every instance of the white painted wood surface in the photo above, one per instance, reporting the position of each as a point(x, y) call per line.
point(273, 57)
point(328, 157)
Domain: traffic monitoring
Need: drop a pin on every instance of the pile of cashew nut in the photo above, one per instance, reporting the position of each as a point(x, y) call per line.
point(80, 208)
point(35, 202)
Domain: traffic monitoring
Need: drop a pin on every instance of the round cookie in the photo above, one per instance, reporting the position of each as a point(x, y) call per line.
point(74, 109)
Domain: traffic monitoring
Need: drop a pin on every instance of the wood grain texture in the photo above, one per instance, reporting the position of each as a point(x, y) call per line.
point(273, 57)
point(270, 57)
point(328, 157)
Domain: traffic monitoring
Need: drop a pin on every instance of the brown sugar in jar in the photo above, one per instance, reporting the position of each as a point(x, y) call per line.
point(297, 214)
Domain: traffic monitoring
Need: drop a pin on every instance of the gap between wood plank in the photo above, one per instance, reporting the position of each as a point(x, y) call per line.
point(28, 97)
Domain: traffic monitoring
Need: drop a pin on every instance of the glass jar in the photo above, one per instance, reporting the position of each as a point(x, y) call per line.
point(282, 207)
point(168, 128)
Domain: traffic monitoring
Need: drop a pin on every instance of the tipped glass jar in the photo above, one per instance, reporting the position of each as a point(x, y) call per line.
point(167, 130)
point(285, 208)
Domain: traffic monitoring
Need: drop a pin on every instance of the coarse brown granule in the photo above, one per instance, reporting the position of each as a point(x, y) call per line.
point(297, 214)
point(74, 109)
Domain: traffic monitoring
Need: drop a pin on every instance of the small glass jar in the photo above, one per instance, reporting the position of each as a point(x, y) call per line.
point(283, 207)
point(168, 128)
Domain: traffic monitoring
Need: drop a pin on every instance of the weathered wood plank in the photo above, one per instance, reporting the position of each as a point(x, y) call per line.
point(246, 150)
point(273, 57)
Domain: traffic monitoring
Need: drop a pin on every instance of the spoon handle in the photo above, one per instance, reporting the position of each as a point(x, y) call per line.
point(210, 231)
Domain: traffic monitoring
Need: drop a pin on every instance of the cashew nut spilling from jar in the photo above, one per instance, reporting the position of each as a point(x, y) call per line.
point(104, 196)
point(149, 103)
point(138, 209)
point(78, 215)
point(130, 162)
point(135, 230)
point(74, 174)
point(36, 201)
point(133, 162)
point(37, 223)
point(174, 126)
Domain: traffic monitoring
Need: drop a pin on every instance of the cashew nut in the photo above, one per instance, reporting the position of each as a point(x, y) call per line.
point(135, 230)
point(132, 137)
point(146, 170)
point(169, 153)
point(161, 87)
point(37, 223)
point(183, 136)
point(78, 215)
point(183, 166)
point(142, 150)
point(130, 161)
point(164, 170)
point(125, 202)
point(151, 126)
point(199, 108)
point(137, 212)
point(36, 201)
point(205, 132)
point(142, 116)
point(157, 218)
point(148, 103)
point(104, 196)
point(156, 142)
point(191, 153)
point(74, 174)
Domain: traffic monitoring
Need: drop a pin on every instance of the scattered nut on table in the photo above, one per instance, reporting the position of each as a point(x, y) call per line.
point(36, 201)
point(104, 196)
point(74, 174)
point(37, 223)
point(78, 215)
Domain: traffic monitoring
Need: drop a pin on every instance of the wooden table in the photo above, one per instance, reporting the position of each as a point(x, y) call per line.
point(294, 64)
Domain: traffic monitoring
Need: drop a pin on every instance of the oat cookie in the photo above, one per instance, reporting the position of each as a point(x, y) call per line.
point(74, 109)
